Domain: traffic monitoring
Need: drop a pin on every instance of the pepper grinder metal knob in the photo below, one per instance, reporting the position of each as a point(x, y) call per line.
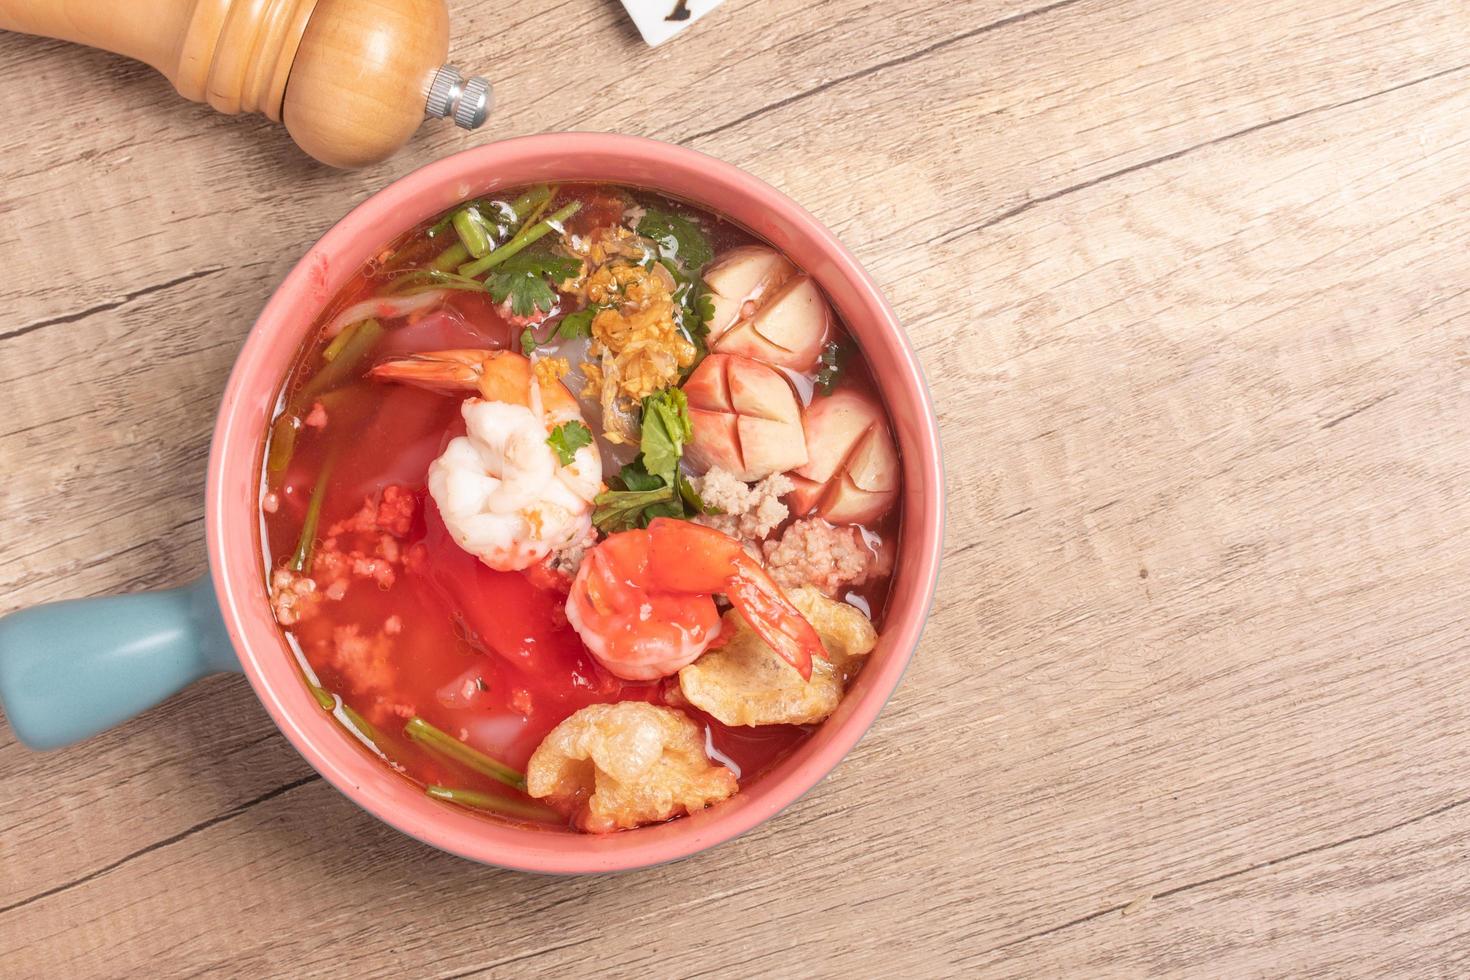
point(467, 100)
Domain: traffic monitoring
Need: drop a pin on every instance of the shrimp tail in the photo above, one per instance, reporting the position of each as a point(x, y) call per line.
point(686, 558)
point(768, 611)
point(447, 371)
point(498, 376)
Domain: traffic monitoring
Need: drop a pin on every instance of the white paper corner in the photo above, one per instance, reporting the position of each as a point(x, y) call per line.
point(659, 20)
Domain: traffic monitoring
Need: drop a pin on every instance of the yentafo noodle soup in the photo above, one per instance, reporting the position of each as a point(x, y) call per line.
point(580, 507)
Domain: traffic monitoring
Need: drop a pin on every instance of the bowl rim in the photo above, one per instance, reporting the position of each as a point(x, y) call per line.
point(232, 520)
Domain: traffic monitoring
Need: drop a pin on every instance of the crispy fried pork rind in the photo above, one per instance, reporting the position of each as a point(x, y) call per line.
point(744, 682)
point(619, 766)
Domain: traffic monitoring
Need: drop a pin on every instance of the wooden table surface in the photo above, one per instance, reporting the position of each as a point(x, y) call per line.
point(1191, 281)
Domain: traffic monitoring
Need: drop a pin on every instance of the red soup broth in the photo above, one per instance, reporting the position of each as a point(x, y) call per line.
point(415, 626)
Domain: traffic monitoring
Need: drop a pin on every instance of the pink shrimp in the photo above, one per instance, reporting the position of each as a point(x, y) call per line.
point(505, 494)
point(643, 602)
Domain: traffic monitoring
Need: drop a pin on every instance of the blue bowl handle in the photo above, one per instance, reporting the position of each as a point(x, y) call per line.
point(69, 670)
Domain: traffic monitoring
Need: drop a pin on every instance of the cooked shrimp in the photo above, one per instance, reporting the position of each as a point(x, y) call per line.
point(643, 601)
point(503, 492)
point(618, 766)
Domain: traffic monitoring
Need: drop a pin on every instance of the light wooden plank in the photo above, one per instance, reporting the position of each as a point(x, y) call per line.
point(175, 188)
point(1190, 284)
point(1390, 891)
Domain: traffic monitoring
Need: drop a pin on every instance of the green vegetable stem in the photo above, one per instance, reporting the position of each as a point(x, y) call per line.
point(353, 351)
point(343, 355)
point(423, 280)
point(532, 200)
point(472, 230)
point(526, 236)
point(451, 258)
point(301, 558)
point(830, 366)
point(447, 745)
point(499, 804)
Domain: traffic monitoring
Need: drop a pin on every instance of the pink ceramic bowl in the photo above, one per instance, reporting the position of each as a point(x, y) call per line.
point(233, 525)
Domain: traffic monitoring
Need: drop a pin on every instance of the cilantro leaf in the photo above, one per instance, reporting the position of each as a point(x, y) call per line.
point(578, 324)
point(523, 278)
point(694, 311)
point(830, 369)
point(705, 306)
point(677, 237)
point(673, 507)
point(623, 510)
point(634, 477)
point(645, 498)
point(693, 502)
point(652, 486)
point(699, 310)
point(567, 438)
point(666, 428)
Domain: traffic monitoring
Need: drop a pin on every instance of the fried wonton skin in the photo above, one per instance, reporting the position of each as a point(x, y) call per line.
point(744, 682)
point(619, 766)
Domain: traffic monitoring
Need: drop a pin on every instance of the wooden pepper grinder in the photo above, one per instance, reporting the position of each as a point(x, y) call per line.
point(352, 79)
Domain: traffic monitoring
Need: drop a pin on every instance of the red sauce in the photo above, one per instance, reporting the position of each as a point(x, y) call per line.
point(487, 656)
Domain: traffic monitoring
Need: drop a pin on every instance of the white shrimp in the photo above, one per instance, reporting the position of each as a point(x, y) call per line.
point(501, 488)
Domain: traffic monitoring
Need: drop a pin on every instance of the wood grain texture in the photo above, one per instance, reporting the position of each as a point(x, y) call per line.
point(1190, 283)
